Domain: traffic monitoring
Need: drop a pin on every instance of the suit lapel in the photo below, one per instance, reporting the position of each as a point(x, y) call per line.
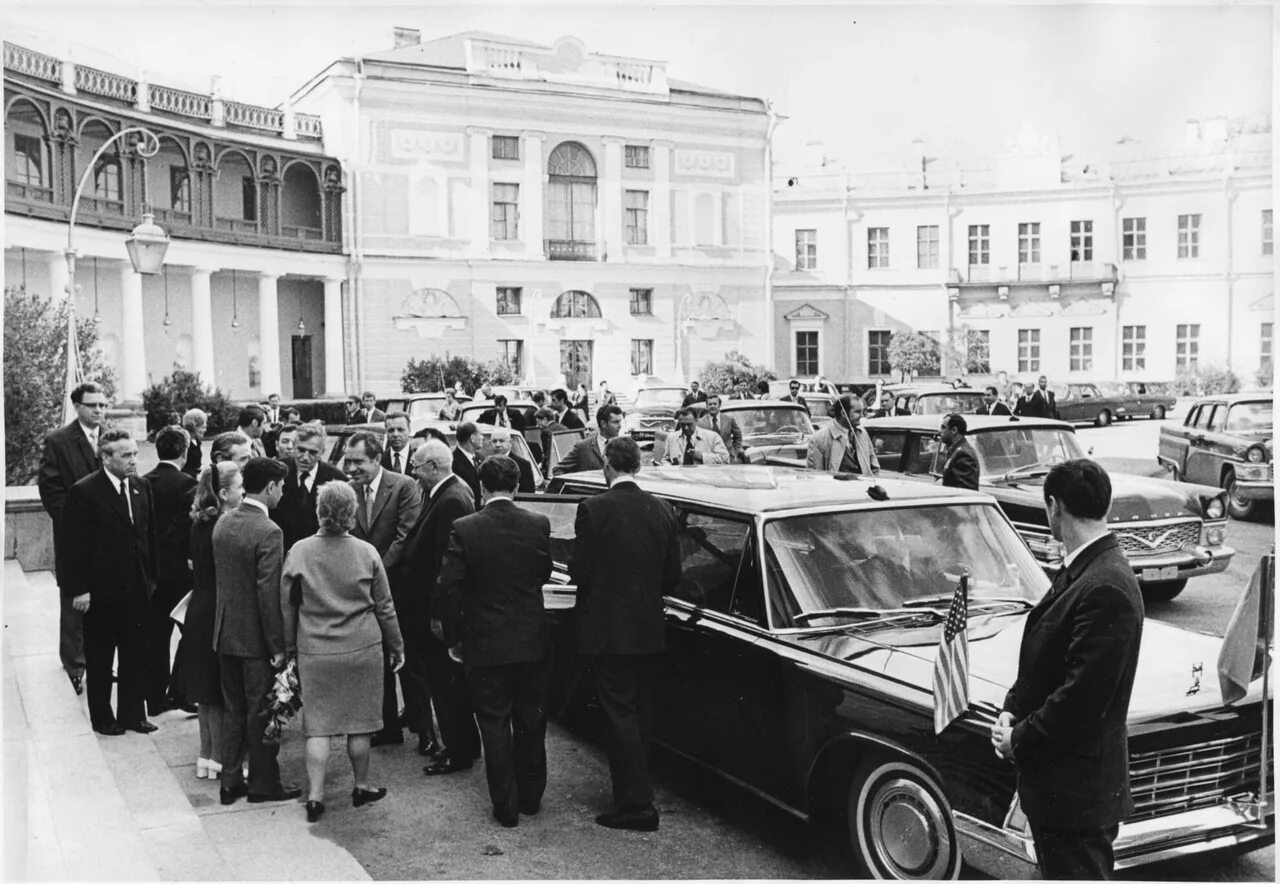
point(110, 491)
point(380, 499)
point(88, 457)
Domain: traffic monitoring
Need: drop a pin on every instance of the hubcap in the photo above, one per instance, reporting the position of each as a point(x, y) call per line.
point(906, 829)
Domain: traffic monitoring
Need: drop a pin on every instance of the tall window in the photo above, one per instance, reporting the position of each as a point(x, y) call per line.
point(1133, 348)
point(642, 302)
point(637, 217)
point(806, 249)
point(1029, 243)
point(1264, 350)
point(512, 353)
point(1081, 240)
point(179, 189)
point(877, 248)
point(806, 352)
point(1188, 236)
point(106, 180)
point(979, 244)
point(637, 156)
point(509, 300)
point(1028, 350)
point(575, 305)
point(1081, 349)
point(248, 199)
point(29, 162)
point(641, 356)
point(927, 247)
point(878, 352)
point(1135, 239)
point(1267, 236)
point(506, 147)
point(1187, 346)
point(979, 355)
point(504, 216)
point(571, 195)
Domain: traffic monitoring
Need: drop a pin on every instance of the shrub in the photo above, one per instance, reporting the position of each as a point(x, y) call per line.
point(182, 390)
point(1265, 377)
point(1206, 380)
point(914, 353)
point(735, 376)
point(433, 374)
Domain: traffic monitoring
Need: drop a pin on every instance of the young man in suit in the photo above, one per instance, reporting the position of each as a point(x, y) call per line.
point(109, 526)
point(296, 514)
point(490, 607)
point(793, 395)
point(589, 453)
point(70, 454)
point(387, 506)
point(694, 396)
point(500, 416)
point(1039, 402)
point(399, 447)
point(548, 426)
point(960, 468)
point(369, 411)
point(626, 558)
point(500, 445)
point(466, 457)
point(564, 414)
point(991, 403)
point(172, 491)
point(248, 631)
point(726, 425)
point(1064, 724)
point(252, 422)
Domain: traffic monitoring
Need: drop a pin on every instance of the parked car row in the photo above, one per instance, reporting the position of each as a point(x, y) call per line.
point(1226, 441)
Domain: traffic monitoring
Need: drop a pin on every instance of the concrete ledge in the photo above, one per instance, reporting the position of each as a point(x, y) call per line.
point(28, 530)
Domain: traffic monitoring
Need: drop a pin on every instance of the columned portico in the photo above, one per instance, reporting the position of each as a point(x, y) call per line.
point(57, 275)
point(269, 332)
point(202, 324)
point(133, 355)
point(334, 369)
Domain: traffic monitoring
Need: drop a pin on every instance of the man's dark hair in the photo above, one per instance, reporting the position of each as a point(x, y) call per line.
point(692, 384)
point(795, 384)
point(956, 422)
point(622, 454)
point(715, 396)
point(171, 443)
point(499, 400)
point(259, 472)
point(681, 412)
point(465, 431)
point(559, 395)
point(396, 416)
point(1081, 486)
point(604, 412)
point(762, 387)
point(251, 414)
point(539, 398)
point(366, 394)
point(77, 395)
point(290, 414)
point(223, 443)
point(107, 438)
point(499, 473)
point(993, 391)
point(544, 414)
point(372, 443)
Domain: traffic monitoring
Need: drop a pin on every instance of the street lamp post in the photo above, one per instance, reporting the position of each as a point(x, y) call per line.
point(146, 246)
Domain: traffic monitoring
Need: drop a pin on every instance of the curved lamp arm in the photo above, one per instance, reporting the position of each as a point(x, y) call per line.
point(147, 148)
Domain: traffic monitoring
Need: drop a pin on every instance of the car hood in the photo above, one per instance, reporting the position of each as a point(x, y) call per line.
point(774, 440)
point(654, 410)
point(1140, 498)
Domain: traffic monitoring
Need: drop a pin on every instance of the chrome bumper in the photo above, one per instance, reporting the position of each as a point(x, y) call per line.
point(1187, 564)
point(1255, 490)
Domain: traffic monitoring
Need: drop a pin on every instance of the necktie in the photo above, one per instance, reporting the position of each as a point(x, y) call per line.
point(302, 480)
point(395, 461)
point(124, 496)
point(688, 451)
point(368, 507)
point(715, 423)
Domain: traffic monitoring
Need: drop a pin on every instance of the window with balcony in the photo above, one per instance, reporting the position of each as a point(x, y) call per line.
point(642, 302)
point(1188, 236)
point(979, 355)
point(575, 305)
point(641, 356)
point(1267, 236)
point(1264, 348)
point(806, 352)
point(512, 353)
point(1081, 240)
point(806, 249)
point(1029, 243)
point(637, 156)
point(1187, 346)
point(506, 147)
point(979, 244)
point(571, 204)
point(1081, 349)
point(1134, 239)
point(508, 300)
point(927, 247)
point(878, 352)
point(106, 180)
point(28, 160)
point(179, 189)
point(1028, 350)
point(504, 217)
point(877, 248)
point(1133, 348)
point(636, 217)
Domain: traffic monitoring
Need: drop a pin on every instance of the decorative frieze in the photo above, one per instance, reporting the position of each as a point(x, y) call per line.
point(426, 144)
point(705, 163)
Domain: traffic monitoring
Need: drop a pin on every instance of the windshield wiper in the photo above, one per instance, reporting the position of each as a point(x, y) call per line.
point(1027, 470)
point(859, 613)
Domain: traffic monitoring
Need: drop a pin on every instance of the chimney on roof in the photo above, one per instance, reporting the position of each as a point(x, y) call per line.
point(407, 36)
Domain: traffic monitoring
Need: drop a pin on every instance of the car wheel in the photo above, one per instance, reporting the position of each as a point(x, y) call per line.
point(1165, 591)
point(1238, 507)
point(1157, 413)
point(1103, 419)
point(899, 824)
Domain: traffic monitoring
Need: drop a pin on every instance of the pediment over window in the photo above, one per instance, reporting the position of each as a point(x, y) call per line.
point(807, 312)
point(430, 312)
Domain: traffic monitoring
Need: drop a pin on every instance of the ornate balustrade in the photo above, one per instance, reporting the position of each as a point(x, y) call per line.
point(108, 85)
point(308, 126)
point(253, 117)
point(181, 102)
point(32, 63)
point(570, 250)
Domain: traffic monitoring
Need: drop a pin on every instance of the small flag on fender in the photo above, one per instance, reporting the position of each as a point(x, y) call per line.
point(1244, 647)
point(951, 669)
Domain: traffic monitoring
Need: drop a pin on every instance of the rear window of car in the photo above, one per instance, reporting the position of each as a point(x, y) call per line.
point(1249, 417)
point(920, 458)
point(888, 448)
point(1217, 418)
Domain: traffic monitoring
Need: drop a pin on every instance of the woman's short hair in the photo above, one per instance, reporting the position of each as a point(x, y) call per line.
point(213, 479)
point(336, 507)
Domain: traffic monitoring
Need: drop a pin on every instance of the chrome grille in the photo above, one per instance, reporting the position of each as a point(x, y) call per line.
point(1150, 540)
point(1188, 777)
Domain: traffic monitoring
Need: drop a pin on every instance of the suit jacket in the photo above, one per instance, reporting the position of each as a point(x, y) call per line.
point(1036, 405)
point(730, 431)
point(195, 459)
point(998, 408)
point(395, 512)
point(172, 492)
point(296, 512)
point(405, 455)
point(693, 399)
point(109, 555)
point(469, 473)
point(705, 441)
point(490, 591)
point(249, 550)
point(960, 469)
point(585, 455)
point(515, 420)
point(798, 399)
point(626, 558)
point(526, 485)
point(376, 416)
point(547, 432)
point(827, 448)
point(427, 541)
point(1070, 701)
point(67, 458)
point(571, 421)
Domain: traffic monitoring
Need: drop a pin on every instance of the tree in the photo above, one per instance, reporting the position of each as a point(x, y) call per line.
point(1206, 380)
point(433, 374)
point(181, 390)
point(914, 353)
point(735, 376)
point(968, 351)
point(35, 366)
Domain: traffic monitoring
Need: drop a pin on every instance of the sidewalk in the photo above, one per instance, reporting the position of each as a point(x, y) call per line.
point(82, 807)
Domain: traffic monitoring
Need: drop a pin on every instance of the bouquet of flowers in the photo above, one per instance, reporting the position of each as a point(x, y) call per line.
point(282, 702)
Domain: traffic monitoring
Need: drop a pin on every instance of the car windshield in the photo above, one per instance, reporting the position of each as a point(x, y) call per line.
point(427, 408)
point(946, 403)
point(665, 398)
point(1249, 417)
point(1024, 449)
point(832, 568)
point(772, 421)
point(819, 407)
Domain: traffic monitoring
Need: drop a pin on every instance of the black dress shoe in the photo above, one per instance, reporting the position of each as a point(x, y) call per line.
point(529, 808)
point(641, 819)
point(109, 730)
point(234, 794)
point(77, 682)
point(284, 793)
point(142, 727)
point(154, 709)
point(446, 765)
point(509, 818)
point(361, 797)
point(387, 738)
point(429, 748)
point(315, 810)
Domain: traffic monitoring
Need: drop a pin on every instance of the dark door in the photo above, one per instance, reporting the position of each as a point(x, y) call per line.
point(575, 362)
point(302, 384)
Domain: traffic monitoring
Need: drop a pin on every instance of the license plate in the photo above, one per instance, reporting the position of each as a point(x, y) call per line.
point(1156, 575)
point(642, 434)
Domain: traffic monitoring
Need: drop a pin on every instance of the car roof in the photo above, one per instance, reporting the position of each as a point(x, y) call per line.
point(663, 387)
point(899, 389)
point(745, 404)
point(763, 489)
point(1233, 398)
point(976, 423)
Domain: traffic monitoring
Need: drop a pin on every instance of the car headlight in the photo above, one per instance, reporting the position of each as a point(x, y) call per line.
point(1213, 536)
point(1256, 454)
point(1213, 508)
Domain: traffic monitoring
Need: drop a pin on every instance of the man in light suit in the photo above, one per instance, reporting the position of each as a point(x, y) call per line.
point(296, 513)
point(252, 422)
point(589, 453)
point(690, 444)
point(724, 424)
point(248, 631)
point(387, 506)
point(843, 446)
point(466, 457)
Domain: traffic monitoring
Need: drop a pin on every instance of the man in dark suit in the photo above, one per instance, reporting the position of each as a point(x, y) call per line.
point(1064, 723)
point(694, 396)
point(447, 499)
point(387, 506)
point(500, 444)
point(589, 453)
point(564, 414)
point(1039, 402)
point(399, 447)
point(548, 426)
point(490, 604)
point(724, 424)
point(248, 631)
point(70, 454)
point(466, 457)
point(626, 558)
point(109, 527)
point(369, 412)
point(793, 395)
point(500, 416)
point(885, 408)
point(960, 466)
point(196, 423)
point(172, 492)
point(296, 514)
point(991, 403)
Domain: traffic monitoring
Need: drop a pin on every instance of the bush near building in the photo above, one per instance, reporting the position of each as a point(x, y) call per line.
point(735, 376)
point(181, 390)
point(1206, 380)
point(35, 370)
point(914, 353)
point(433, 374)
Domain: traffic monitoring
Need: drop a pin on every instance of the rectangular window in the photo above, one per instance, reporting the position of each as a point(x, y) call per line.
point(641, 356)
point(1028, 349)
point(505, 213)
point(506, 147)
point(1081, 349)
point(1188, 236)
point(1133, 347)
point(1267, 236)
point(642, 302)
point(1187, 346)
point(637, 217)
point(979, 244)
point(509, 300)
point(29, 155)
point(927, 247)
point(1264, 348)
point(806, 249)
point(877, 248)
point(806, 353)
point(637, 156)
point(249, 199)
point(1135, 239)
point(1029, 243)
point(512, 353)
point(979, 352)
point(878, 352)
point(179, 189)
point(1081, 240)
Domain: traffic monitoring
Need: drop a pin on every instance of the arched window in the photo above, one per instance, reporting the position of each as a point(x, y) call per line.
point(107, 192)
point(575, 305)
point(571, 203)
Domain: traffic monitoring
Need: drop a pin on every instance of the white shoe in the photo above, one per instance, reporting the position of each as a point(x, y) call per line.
point(202, 768)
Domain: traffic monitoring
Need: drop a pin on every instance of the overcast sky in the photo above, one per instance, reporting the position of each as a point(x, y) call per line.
point(863, 79)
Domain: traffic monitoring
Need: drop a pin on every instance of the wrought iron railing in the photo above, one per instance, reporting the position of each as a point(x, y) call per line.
point(181, 102)
point(570, 250)
point(35, 192)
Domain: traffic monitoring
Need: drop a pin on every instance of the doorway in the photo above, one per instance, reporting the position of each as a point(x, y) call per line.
point(575, 363)
point(302, 378)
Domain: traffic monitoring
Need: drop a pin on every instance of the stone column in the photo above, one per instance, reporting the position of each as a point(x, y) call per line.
point(660, 198)
point(611, 197)
point(334, 373)
point(133, 354)
point(479, 174)
point(531, 207)
point(202, 325)
point(269, 332)
point(57, 276)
